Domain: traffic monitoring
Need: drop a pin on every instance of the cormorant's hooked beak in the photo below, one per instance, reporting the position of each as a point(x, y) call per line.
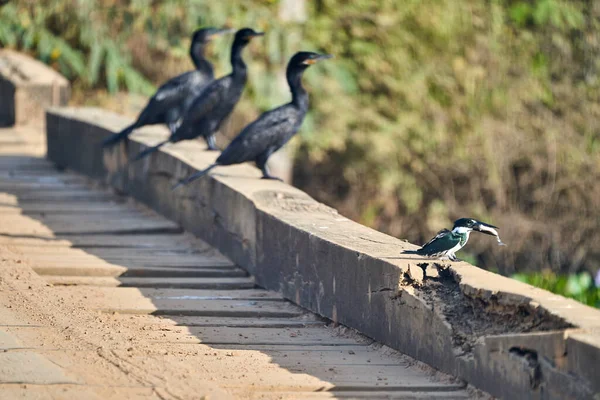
point(219, 32)
point(255, 34)
point(315, 60)
point(486, 228)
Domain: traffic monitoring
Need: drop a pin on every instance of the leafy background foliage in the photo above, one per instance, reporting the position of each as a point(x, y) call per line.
point(432, 110)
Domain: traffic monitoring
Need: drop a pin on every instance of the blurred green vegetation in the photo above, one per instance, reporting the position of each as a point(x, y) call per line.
point(577, 286)
point(431, 110)
point(483, 108)
point(58, 33)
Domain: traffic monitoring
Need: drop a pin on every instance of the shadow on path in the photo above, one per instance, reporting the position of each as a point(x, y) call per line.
point(116, 256)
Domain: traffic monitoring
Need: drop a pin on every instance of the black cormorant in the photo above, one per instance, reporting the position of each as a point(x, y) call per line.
point(170, 100)
point(274, 128)
point(208, 110)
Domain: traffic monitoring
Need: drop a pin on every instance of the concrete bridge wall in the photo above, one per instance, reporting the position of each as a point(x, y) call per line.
point(27, 88)
point(503, 336)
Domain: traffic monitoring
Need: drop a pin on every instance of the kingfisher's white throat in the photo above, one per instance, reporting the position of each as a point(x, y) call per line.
point(461, 230)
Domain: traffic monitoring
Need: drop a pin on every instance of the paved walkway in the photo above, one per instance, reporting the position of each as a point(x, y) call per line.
point(100, 298)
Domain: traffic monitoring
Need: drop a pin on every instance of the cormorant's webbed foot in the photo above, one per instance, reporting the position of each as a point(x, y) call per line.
point(173, 127)
point(211, 143)
point(262, 164)
point(274, 178)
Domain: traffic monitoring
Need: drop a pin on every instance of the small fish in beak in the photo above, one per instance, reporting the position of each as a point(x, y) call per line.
point(489, 230)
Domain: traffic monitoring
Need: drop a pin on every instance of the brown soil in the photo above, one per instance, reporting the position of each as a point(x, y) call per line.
point(472, 318)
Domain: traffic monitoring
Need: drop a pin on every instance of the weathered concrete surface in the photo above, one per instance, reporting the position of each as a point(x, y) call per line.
point(29, 367)
point(27, 88)
point(501, 335)
point(200, 338)
point(582, 354)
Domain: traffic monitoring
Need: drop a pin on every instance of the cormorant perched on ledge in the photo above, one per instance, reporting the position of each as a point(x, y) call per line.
point(446, 242)
point(208, 110)
point(170, 100)
point(272, 129)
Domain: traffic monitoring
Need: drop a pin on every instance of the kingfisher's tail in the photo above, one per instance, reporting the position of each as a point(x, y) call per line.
point(410, 252)
point(149, 150)
point(193, 177)
point(117, 137)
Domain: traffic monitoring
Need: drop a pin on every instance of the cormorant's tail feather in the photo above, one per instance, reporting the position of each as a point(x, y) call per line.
point(117, 137)
point(149, 151)
point(193, 177)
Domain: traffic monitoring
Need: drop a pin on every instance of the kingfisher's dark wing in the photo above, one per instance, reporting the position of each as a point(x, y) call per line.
point(271, 130)
point(441, 243)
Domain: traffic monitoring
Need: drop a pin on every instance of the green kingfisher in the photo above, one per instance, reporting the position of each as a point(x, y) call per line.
point(446, 242)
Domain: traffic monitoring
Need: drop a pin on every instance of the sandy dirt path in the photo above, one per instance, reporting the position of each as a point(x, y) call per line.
point(100, 298)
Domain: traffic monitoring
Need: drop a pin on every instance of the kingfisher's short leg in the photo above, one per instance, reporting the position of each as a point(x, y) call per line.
point(453, 257)
point(212, 143)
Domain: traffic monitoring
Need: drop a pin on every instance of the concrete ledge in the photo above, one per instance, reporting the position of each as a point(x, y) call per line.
point(27, 88)
point(505, 337)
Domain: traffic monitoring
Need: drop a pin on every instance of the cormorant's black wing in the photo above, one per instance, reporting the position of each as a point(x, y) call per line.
point(209, 99)
point(168, 102)
point(271, 130)
point(167, 105)
point(205, 104)
point(178, 87)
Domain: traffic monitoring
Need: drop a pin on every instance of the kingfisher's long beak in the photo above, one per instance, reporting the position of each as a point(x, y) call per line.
point(486, 228)
point(255, 34)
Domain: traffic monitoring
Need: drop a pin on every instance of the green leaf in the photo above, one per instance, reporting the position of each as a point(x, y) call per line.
point(8, 37)
point(585, 281)
point(112, 70)
point(28, 39)
point(521, 278)
point(95, 62)
point(521, 13)
point(574, 287)
point(135, 82)
point(72, 57)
